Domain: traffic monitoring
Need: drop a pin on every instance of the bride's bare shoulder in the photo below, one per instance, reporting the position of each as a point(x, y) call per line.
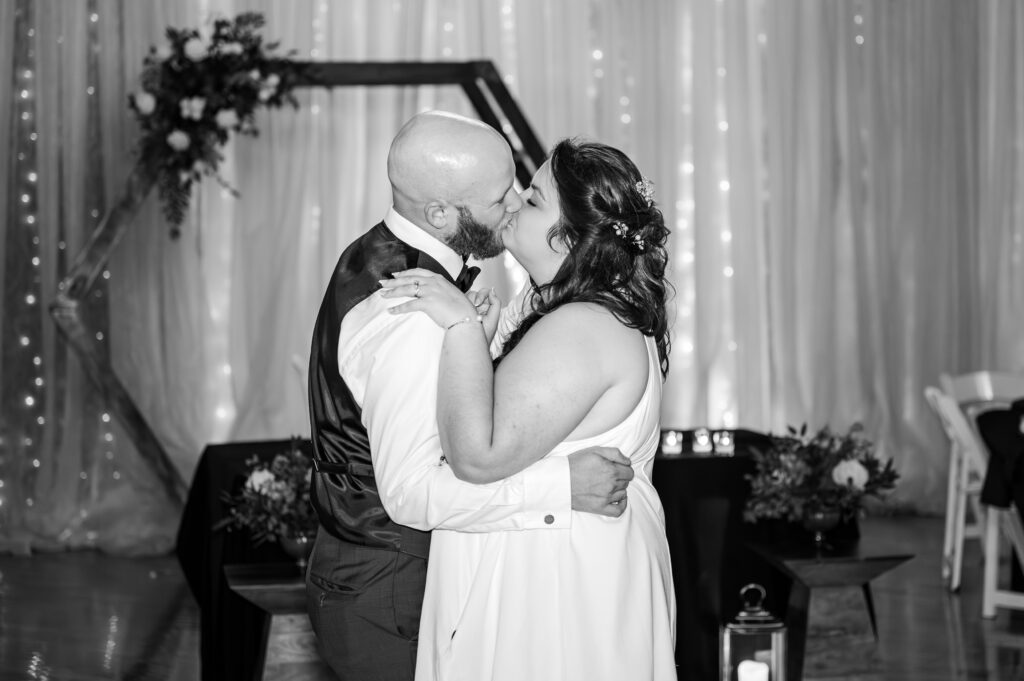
point(593, 327)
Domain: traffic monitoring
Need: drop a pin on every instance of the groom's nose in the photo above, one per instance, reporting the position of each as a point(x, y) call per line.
point(512, 202)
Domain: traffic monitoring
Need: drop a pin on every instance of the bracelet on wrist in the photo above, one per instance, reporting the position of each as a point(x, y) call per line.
point(478, 318)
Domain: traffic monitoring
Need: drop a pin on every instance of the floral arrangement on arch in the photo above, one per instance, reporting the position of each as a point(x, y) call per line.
point(195, 91)
point(818, 472)
point(274, 501)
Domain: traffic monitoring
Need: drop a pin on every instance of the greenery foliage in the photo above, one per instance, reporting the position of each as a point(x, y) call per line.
point(822, 471)
point(195, 91)
point(274, 499)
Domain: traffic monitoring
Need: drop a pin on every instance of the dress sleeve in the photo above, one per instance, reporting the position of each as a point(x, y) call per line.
point(392, 372)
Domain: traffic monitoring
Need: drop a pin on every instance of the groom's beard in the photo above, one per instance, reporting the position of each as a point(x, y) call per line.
point(471, 237)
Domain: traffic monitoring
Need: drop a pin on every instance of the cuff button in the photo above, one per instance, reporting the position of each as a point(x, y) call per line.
point(549, 519)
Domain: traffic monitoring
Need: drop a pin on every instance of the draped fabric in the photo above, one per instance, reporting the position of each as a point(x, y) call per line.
point(842, 179)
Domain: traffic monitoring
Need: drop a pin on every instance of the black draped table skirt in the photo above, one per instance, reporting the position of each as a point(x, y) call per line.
point(231, 628)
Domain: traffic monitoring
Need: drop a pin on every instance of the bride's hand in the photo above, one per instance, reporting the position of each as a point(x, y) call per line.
point(443, 302)
point(488, 306)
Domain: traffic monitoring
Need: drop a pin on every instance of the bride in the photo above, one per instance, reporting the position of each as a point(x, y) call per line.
point(584, 366)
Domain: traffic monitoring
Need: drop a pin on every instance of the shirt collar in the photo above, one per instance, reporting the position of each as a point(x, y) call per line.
point(405, 230)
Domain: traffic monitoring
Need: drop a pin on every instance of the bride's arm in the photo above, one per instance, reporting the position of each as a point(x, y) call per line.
point(493, 425)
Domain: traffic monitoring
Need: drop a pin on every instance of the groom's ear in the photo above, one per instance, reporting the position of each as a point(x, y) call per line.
point(436, 214)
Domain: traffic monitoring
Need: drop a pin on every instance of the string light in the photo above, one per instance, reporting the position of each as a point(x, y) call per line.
point(29, 393)
point(509, 42)
point(722, 381)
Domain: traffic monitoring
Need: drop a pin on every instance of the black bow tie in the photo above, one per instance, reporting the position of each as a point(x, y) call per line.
point(466, 277)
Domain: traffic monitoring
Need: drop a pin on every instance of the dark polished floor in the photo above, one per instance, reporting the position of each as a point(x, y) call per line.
point(85, 616)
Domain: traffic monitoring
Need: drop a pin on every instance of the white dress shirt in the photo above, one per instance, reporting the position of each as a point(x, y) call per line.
point(390, 364)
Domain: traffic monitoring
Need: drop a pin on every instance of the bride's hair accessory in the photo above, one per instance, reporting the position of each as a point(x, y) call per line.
point(622, 231)
point(646, 189)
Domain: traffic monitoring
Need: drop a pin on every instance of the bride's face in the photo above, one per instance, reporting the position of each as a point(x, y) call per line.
point(526, 236)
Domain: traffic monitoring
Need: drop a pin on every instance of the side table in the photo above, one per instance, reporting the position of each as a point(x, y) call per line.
point(844, 565)
point(288, 649)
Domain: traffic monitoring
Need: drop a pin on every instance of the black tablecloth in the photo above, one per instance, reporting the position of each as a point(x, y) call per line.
point(1004, 479)
point(231, 629)
point(703, 498)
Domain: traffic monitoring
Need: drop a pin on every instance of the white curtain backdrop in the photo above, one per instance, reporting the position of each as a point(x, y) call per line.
point(842, 179)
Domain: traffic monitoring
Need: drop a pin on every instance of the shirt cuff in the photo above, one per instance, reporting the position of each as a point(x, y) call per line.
point(547, 494)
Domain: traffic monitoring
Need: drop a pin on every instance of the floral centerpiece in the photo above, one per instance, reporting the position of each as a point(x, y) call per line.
point(196, 90)
point(800, 474)
point(274, 502)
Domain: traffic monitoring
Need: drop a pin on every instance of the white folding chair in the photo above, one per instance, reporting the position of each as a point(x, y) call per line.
point(963, 489)
point(975, 392)
point(1000, 524)
point(979, 391)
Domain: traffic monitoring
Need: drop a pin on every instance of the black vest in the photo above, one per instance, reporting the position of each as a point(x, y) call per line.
point(344, 491)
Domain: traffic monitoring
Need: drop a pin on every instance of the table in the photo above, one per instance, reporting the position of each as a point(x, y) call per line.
point(703, 497)
point(1001, 431)
point(287, 648)
point(231, 628)
point(842, 565)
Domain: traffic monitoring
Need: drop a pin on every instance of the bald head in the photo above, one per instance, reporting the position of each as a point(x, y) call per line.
point(443, 157)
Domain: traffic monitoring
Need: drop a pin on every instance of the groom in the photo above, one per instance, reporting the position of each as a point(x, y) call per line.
point(379, 484)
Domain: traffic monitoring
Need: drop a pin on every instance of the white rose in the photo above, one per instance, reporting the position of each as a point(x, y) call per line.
point(259, 479)
point(178, 140)
point(145, 103)
point(255, 74)
point(273, 80)
point(850, 473)
point(265, 94)
point(163, 53)
point(195, 49)
point(226, 119)
point(231, 48)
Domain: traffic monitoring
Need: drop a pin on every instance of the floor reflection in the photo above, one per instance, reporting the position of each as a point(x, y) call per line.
point(83, 615)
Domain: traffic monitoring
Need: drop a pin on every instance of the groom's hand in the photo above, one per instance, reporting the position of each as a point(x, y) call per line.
point(598, 477)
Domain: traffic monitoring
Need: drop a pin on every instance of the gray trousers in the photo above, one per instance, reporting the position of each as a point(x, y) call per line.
point(364, 604)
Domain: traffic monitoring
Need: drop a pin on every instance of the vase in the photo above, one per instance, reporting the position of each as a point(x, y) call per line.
point(819, 521)
point(298, 546)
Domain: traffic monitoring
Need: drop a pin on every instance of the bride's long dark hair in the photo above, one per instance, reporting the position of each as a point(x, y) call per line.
point(615, 237)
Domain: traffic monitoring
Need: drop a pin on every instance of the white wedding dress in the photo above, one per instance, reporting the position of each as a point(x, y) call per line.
point(590, 603)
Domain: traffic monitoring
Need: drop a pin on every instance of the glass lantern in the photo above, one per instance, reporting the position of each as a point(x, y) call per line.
point(754, 646)
point(724, 445)
point(671, 443)
point(702, 441)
